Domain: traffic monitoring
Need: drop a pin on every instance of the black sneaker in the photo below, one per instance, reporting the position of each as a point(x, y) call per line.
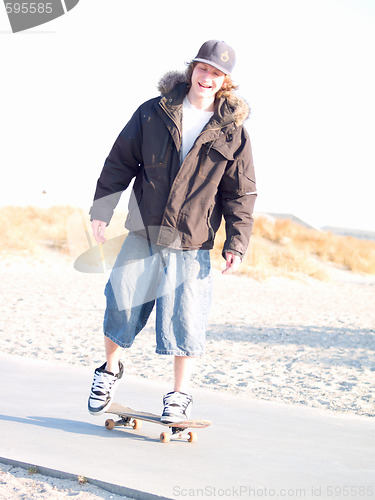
point(177, 407)
point(103, 389)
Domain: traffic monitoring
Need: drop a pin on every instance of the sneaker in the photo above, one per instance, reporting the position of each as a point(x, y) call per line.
point(103, 389)
point(177, 407)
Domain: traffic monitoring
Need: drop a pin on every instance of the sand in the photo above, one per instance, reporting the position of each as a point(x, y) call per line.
point(17, 483)
point(300, 341)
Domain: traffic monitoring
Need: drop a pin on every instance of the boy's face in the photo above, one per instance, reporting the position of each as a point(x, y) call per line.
point(206, 80)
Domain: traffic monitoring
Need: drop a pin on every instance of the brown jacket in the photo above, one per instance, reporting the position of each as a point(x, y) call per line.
point(181, 205)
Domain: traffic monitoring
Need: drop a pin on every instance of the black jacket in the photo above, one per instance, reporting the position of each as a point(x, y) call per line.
point(181, 205)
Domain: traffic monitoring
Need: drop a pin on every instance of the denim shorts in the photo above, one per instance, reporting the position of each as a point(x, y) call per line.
point(178, 282)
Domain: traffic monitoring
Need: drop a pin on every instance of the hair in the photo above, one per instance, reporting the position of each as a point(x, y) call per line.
point(225, 91)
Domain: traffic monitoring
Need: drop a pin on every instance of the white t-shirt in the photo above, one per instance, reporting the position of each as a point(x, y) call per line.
point(193, 121)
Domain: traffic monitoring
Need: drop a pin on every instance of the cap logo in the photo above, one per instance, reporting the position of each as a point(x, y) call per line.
point(225, 56)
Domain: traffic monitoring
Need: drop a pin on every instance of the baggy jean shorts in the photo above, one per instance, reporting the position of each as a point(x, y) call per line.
point(179, 283)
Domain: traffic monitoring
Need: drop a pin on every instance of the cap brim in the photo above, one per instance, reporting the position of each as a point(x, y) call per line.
point(217, 66)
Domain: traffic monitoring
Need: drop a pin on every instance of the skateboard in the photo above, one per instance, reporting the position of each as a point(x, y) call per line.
point(132, 419)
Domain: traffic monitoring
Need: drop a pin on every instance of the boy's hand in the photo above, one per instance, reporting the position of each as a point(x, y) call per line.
point(98, 228)
point(232, 262)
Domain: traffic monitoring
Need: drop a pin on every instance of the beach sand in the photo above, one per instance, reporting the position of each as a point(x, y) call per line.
point(17, 483)
point(300, 341)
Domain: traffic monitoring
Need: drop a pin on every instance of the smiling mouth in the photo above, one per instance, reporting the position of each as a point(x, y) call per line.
point(204, 86)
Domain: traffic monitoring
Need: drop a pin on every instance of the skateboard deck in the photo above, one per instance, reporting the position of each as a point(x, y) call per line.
point(132, 419)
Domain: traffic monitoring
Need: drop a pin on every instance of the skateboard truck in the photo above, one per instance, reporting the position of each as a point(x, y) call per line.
point(130, 423)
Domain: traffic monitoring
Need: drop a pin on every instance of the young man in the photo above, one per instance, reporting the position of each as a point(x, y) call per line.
point(191, 161)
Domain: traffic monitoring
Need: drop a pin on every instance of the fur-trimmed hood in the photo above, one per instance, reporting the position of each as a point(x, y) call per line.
point(239, 107)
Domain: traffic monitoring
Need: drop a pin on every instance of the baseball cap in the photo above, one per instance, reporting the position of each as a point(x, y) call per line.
point(217, 54)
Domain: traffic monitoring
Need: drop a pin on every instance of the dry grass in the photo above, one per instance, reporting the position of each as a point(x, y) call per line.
point(284, 248)
point(32, 229)
point(278, 247)
point(29, 228)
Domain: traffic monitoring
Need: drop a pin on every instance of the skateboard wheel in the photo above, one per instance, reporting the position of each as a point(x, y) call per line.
point(137, 424)
point(109, 424)
point(165, 437)
point(193, 436)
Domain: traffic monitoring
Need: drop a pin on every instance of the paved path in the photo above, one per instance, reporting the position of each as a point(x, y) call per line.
point(254, 449)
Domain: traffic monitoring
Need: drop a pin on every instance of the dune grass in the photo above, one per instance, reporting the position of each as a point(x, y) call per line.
point(277, 248)
point(285, 248)
point(31, 228)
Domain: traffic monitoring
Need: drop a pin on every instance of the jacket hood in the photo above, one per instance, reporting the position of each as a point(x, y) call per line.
point(239, 107)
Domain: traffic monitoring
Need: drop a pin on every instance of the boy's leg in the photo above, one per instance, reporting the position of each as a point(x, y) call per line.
point(183, 369)
point(113, 353)
point(181, 319)
point(130, 294)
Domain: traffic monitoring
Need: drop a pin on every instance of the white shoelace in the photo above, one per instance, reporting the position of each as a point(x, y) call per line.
point(102, 384)
point(176, 402)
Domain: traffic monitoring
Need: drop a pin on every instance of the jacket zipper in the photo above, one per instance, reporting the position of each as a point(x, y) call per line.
point(211, 231)
point(210, 228)
point(173, 120)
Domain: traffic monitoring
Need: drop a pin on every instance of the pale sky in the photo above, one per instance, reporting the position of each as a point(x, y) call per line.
point(306, 68)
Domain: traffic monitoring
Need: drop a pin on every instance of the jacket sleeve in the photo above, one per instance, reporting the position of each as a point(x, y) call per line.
point(237, 195)
point(121, 165)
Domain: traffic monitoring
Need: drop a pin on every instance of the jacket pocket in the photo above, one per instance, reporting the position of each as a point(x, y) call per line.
point(212, 165)
point(246, 179)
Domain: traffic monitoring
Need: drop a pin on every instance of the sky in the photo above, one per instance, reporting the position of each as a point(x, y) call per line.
point(305, 67)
